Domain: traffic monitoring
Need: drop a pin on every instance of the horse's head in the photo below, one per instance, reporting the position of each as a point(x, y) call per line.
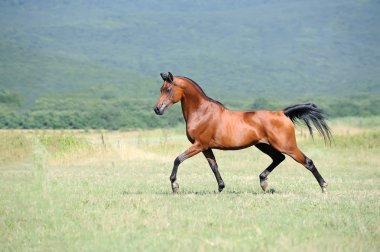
point(170, 94)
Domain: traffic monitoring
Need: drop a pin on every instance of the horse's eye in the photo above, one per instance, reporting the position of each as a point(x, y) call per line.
point(168, 90)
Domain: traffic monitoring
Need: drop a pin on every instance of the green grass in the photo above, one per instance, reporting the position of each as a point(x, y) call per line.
point(113, 193)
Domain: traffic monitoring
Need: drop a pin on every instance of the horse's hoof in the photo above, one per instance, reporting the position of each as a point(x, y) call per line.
point(221, 187)
point(175, 187)
point(264, 184)
point(324, 188)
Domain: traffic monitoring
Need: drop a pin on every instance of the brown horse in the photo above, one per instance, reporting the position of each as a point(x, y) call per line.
point(210, 125)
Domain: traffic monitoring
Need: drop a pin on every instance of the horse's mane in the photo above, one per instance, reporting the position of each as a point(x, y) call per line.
point(200, 89)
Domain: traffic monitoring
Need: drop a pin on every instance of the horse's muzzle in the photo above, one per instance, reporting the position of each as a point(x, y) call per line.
point(159, 110)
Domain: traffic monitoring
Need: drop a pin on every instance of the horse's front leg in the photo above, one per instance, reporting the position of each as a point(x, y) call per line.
point(214, 167)
point(193, 150)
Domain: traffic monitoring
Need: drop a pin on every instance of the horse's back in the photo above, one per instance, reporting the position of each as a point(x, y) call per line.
point(260, 119)
point(276, 118)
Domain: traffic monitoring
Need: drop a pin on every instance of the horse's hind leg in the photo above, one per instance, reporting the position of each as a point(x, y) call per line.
point(277, 158)
point(214, 167)
point(297, 155)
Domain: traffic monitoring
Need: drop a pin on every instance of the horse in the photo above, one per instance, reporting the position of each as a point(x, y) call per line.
point(210, 125)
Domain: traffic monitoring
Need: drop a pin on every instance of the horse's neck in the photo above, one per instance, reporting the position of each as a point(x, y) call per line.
point(192, 101)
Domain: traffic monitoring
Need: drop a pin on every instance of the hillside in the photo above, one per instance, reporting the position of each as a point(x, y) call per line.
point(289, 50)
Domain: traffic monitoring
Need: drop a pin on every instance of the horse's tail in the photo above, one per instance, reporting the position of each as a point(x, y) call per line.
point(309, 113)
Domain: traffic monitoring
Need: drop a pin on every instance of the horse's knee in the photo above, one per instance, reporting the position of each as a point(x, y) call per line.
point(178, 160)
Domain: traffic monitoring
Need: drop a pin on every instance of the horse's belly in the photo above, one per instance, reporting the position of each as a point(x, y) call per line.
point(235, 138)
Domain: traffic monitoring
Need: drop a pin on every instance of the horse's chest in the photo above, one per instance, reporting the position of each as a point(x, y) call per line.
point(191, 134)
point(198, 132)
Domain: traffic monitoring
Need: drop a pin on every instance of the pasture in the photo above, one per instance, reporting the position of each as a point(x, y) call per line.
point(110, 191)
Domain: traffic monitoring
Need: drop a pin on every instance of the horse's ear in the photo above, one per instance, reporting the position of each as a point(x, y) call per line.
point(170, 77)
point(164, 76)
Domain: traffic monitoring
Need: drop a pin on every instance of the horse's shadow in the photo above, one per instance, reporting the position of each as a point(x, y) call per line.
point(200, 193)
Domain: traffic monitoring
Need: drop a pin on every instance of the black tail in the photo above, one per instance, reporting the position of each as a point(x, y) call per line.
point(310, 113)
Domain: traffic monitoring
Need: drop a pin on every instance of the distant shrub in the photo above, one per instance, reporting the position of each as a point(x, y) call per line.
point(80, 112)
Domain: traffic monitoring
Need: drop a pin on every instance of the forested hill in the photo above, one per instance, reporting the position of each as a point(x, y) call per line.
point(54, 53)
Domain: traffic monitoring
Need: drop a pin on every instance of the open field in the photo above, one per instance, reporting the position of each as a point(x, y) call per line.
point(107, 191)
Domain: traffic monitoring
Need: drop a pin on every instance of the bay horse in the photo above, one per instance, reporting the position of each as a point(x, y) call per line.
point(210, 125)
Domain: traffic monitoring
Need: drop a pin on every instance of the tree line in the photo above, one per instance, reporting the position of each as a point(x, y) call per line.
point(114, 113)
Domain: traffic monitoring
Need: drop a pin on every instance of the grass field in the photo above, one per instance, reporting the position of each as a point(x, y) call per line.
point(110, 191)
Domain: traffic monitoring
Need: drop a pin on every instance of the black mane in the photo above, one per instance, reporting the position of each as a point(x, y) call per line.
point(196, 84)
